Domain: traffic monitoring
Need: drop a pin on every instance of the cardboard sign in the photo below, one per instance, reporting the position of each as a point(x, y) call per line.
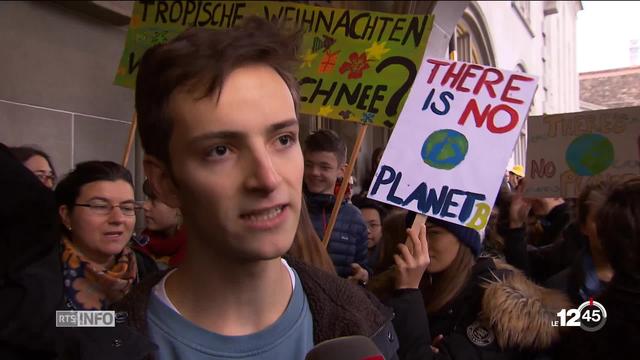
point(565, 152)
point(356, 65)
point(447, 154)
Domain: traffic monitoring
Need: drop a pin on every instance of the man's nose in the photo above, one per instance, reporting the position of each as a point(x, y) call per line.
point(314, 170)
point(263, 176)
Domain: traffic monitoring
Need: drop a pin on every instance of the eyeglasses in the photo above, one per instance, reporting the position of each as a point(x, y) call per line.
point(44, 176)
point(105, 208)
point(372, 226)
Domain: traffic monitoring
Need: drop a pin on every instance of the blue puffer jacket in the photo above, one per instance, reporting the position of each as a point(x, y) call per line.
point(348, 243)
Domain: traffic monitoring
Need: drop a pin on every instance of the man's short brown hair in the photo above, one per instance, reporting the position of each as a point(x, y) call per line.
point(328, 141)
point(199, 60)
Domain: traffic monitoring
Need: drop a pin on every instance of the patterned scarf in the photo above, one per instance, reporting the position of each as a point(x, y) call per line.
point(87, 288)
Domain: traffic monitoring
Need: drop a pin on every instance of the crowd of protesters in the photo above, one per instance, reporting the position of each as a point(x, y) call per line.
point(232, 263)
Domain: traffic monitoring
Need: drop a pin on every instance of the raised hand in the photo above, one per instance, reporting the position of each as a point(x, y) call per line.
point(411, 264)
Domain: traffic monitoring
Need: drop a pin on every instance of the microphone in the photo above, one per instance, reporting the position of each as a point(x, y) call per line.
point(355, 347)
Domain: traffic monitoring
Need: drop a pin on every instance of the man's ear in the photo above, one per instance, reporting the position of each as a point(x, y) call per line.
point(65, 216)
point(161, 181)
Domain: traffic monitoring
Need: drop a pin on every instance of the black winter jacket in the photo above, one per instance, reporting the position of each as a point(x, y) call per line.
point(348, 242)
point(540, 263)
point(499, 314)
point(618, 338)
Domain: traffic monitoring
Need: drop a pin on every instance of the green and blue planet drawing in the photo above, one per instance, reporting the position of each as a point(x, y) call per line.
point(590, 154)
point(444, 149)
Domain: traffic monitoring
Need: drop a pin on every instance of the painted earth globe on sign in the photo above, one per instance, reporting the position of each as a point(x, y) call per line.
point(444, 149)
point(590, 154)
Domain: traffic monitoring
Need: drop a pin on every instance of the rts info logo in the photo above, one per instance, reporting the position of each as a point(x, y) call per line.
point(590, 316)
point(94, 318)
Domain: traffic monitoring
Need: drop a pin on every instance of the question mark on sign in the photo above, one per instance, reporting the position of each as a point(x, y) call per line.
point(394, 101)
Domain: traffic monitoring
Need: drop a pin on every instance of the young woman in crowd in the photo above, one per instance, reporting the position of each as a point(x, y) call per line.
point(38, 162)
point(467, 307)
point(97, 211)
point(576, 264)
point(165, 237)
point(392, 226)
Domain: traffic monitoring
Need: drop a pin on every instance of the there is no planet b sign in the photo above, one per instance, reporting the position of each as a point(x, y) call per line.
point(453, 139)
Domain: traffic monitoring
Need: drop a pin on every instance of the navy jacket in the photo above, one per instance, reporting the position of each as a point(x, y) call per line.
point(348, 243)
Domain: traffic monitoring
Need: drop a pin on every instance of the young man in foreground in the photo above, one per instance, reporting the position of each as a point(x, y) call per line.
point(218, 121)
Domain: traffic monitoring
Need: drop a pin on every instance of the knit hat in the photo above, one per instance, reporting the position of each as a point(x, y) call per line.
point(467, 236)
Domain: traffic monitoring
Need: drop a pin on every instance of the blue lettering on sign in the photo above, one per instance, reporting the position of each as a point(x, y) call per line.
point(428, 200)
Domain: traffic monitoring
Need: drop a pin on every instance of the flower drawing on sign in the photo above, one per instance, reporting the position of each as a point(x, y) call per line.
point(328, 62)
point(355, 66)
point(376, 50)
point(160, 37)
point(367, 117)
point(325, 110)
point(308, 58)
point(345, 114)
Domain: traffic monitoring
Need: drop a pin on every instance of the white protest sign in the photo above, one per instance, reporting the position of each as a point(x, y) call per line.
point(565, 152)
point(448, 152)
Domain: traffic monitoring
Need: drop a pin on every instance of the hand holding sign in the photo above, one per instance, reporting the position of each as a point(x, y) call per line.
point(412, 263)
point(448, 151)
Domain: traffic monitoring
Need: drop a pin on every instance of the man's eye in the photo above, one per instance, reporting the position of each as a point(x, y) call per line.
point(286, 140)
point(218, 151)
point(100, 206)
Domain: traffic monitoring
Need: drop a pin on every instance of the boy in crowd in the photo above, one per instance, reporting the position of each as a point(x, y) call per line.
point(324, 162)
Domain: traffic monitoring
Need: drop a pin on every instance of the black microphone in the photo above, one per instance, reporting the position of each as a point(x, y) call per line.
point(355, 347)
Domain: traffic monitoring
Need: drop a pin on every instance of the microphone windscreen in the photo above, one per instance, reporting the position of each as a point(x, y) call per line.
point(355, 347)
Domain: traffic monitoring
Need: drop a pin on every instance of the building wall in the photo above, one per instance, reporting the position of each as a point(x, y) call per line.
point(56, 92)
point(540, 41)
point(561, 74)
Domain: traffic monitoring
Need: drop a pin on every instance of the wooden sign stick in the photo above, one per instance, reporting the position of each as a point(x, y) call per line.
point(343, 186)
point(132, 135)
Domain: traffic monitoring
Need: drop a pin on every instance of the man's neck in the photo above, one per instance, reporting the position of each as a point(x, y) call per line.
point(229, 298)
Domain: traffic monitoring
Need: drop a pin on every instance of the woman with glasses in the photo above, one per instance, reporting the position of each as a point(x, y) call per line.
point(97, 211)
point(373, 214)
point(38, 162)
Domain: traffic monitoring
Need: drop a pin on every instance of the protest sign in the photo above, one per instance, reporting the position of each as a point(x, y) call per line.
point(565, 152)
point(447, 154)
point(356, 65)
